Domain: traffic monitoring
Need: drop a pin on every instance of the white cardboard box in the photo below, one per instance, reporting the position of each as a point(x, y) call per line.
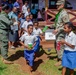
point(49, 35)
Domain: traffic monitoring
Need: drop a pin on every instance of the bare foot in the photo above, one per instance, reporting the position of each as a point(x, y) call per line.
point(7, 62)
point(31, 73)
point(58, 63)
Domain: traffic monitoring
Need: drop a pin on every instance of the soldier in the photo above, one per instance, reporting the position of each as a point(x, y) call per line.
point(4, 27)
point(61, 18)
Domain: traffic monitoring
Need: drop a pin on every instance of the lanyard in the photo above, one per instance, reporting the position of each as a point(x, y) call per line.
point(57, 16)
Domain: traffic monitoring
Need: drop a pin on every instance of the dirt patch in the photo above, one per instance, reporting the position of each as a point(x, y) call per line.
point(18, 58)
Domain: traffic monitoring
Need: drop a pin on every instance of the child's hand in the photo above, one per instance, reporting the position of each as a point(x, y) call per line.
point(62, 41)
point(27, 47)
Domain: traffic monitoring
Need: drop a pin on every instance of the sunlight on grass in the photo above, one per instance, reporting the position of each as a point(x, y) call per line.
point(10, 69)
point(45, 68)
point(48, 68)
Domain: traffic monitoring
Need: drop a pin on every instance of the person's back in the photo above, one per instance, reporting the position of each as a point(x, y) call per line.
point(4, 28)
point(4, 21)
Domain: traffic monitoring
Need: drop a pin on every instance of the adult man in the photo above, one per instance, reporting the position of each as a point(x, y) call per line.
point(61, 18)
point(4, 28)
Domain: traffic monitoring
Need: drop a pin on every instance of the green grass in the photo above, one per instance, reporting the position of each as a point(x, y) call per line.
point(45, 68)
point(10, 69)
point(48, 67)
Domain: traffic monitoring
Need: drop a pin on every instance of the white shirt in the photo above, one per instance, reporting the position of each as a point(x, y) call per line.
point(37, 32)
point(26, 38)
point(25, 24)
point(71, 39)
point(27, 13)
point(24, 8)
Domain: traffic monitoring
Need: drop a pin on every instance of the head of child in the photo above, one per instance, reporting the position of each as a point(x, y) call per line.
point(68, 27)
point(19, 15)
point(26, 3)
point(27, 18)
point(31, 16)
point(28, 9)
point(23, 15)
point(36, 24)
point(30, 28)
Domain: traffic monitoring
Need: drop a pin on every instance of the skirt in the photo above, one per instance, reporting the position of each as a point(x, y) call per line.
point(29, 56)
point(37, 46)
point(69, 59)
point(13, 36)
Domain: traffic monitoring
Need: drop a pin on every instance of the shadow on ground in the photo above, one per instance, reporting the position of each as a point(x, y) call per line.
point(36, 64)
point(17, 55)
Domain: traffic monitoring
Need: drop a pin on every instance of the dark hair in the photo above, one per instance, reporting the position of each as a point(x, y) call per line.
point(70, 25)
point(29, 26)
point(27, 16)
point(26, 2)
point(30, 14)
point(35, 22)
point(5, 6)
point(28, 8)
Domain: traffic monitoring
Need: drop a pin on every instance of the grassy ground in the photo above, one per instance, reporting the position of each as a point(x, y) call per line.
point(11, 69)
point(46, 68)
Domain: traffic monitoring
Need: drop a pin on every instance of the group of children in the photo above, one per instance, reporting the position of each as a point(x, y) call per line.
point(31, 41)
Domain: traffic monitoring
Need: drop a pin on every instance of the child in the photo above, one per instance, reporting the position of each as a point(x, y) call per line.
point(28, 12)
point(69, 55)
point(31, 17)
point(26, 23)
point(21, 20)
point(39, 16)
point(29, 42)
point(37, 32)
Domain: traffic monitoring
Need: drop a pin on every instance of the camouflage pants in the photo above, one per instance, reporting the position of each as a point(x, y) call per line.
point(4, 45)
point(60, 52)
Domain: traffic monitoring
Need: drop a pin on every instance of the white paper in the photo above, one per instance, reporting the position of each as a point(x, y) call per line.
point(49, 36)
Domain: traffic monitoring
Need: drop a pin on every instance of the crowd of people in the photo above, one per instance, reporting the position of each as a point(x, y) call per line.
point(20, 27)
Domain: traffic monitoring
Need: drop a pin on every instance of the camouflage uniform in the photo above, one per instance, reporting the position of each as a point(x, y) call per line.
point(4, 28)
point(62, 18)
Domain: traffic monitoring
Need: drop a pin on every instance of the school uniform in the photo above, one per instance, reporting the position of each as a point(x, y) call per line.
point(27, 13)
point(69, 55)
point(13, 34)
point(37, 32)
point(25, 25)
point(21, 20)
point(29, 54)
point(24, 9)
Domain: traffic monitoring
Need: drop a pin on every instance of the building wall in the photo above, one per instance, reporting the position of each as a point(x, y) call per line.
point(73, 3)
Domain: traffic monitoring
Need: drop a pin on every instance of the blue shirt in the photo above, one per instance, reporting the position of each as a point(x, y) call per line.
point(13, 15)
point(16, 4)
point(21, 20)
point(5, 2)
point(10, 5)
point(33, 11)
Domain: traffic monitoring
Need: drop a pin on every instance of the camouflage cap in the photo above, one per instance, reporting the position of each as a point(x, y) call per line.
point(59, 2)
